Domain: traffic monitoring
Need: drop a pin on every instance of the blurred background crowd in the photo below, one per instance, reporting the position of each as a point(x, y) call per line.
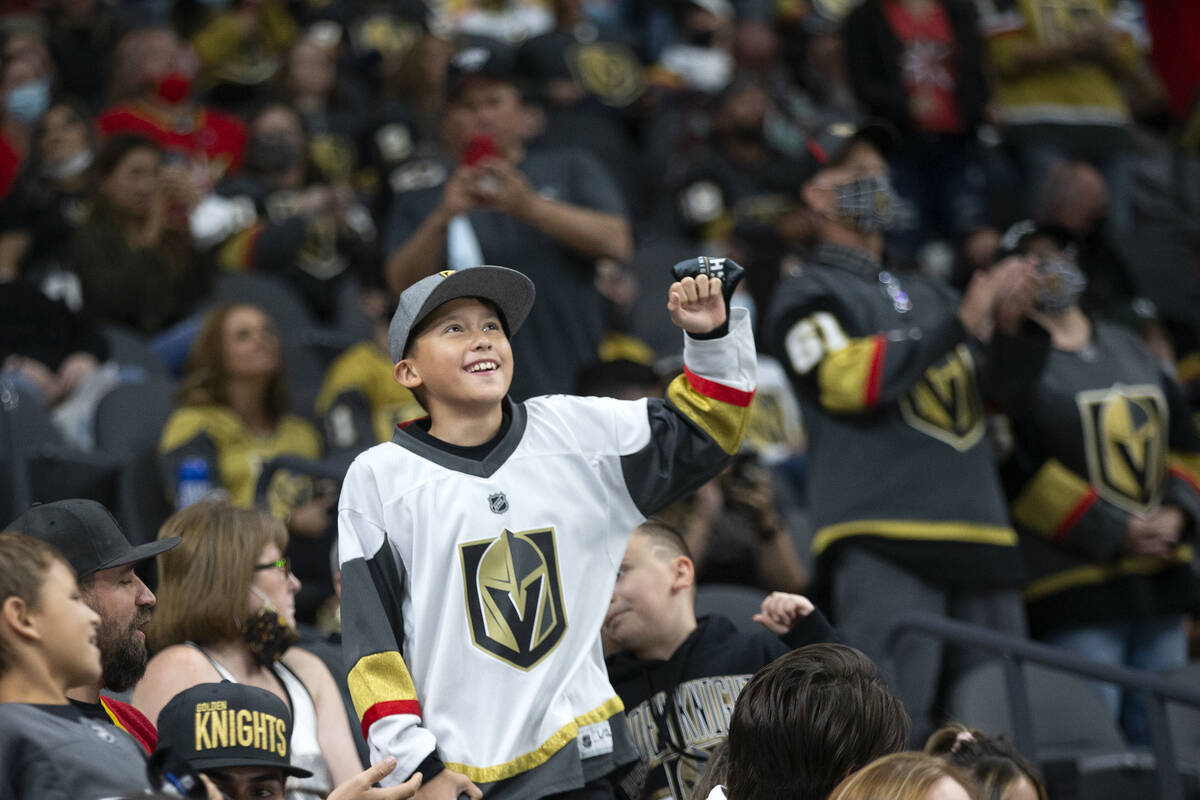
point(209, 207)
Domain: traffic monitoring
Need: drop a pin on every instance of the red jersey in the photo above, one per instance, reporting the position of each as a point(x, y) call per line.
point(132, 721)
point(219, 139)
point(929, 66)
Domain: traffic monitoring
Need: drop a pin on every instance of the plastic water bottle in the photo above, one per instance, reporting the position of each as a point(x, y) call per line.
point(193, 482)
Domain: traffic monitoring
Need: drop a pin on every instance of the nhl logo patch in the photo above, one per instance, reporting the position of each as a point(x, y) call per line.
point(498, 503)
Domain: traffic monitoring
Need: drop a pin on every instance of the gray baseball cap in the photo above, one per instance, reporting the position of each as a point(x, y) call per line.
point(508, 289)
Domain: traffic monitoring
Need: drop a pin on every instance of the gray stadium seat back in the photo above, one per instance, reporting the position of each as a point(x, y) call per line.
point(25, 430)
point(280, 300)
point(129, 422)
point(130, 348)
point(737, 603)
point(1184, 721)
point(1070, 718)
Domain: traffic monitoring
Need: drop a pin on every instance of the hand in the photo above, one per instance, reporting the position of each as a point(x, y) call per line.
point(781, 611)
point(1169, 522)
point(504, 188)
point(359, 787)
point(311, 519)
point(74, 369)
point(975, 310)
point(211, 790)
point(447, 785)
point(1150, 536)
point(458, 196)
point(1016, 290)
point(696, 304)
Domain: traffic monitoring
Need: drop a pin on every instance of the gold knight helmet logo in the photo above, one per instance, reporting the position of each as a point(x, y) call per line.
point(514, 596)
point(1125, 430)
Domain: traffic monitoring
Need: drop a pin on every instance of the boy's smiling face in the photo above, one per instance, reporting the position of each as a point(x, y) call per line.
point(462, 357)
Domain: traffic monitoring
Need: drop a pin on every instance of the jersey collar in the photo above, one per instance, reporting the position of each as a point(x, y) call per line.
point(483, 468)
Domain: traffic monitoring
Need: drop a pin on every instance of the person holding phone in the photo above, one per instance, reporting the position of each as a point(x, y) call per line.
point(489, 200)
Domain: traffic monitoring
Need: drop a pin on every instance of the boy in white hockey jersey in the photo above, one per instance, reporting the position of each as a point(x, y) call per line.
point(480, 546)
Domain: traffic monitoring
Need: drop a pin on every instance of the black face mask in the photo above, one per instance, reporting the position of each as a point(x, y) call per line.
point(273, 153)
point(267, 635)
point(748, 133)
point(702, 38)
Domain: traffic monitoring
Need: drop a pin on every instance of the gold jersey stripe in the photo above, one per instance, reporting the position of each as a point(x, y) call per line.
point(379, 678)
point(1049, 498)
point(1091, 574)
point(844, 375)
point(916, 530)
point(724, 422)
point(542, 754)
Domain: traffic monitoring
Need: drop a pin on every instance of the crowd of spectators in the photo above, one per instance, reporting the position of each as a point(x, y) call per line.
point(972, 266)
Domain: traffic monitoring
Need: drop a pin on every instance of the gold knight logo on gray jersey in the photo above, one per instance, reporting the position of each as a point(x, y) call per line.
point(944, 403)
point(514, 595)
point(1124, 434)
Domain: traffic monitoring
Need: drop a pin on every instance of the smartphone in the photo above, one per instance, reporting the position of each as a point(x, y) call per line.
point(478, 148)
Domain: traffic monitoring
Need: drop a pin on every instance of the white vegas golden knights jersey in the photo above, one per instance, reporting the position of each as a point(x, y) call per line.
point(473, 591)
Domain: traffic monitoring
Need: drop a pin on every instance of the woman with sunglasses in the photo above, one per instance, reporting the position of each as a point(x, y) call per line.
point(226, 611)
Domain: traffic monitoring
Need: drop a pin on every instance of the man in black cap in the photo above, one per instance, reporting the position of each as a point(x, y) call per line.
point(239, 737)
point(907, 506)
point(103, 559)
point(488, 201)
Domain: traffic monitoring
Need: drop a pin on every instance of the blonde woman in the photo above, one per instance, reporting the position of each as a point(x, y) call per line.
point(226, 611)
point(907, 776)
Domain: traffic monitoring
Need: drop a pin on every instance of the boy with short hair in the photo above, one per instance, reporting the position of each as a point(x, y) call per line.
point(806, 721)
point(480, 546)
point(678, 675)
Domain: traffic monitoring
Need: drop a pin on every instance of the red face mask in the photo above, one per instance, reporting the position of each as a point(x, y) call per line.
point(174, 87)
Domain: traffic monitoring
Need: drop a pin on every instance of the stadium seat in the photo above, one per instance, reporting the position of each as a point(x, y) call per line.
point(1184, 722)
point(738, 603)
point(129, 348)
point(276, 297)
point(1079, 745)
point(129, 421)
point(38, 466)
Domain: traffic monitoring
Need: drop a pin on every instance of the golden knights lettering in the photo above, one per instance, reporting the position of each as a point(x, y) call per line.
point(1124, 434)
point(699, 721)
point(514, 596)
point(945, 402)
point(220, 726)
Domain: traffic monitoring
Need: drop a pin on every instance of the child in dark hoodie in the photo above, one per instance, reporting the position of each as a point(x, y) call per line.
point(678, 676)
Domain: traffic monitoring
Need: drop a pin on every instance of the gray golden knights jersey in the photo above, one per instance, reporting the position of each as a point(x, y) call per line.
point(898, 457)
point(473, 592)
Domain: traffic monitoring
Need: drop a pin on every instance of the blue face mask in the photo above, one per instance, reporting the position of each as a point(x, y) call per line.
point(29, 101)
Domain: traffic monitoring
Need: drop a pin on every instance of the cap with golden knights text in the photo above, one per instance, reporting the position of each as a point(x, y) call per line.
point(221, 725)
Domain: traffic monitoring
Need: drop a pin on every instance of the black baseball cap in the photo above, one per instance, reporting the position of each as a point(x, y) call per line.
point(219, 725)
point(480, 58)
point(510, 291)
point(86, 534)
point(829, 143)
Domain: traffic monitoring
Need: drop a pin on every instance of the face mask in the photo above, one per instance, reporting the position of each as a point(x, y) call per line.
point(174, 87)
point(273, 153)
point(867, 204)
point(1062, 284)
point(752, 133)
point(266, 634)
point(69, 168)
point(28, 101)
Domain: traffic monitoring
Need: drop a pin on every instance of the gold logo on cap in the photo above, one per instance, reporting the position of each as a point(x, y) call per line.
point(446, 273)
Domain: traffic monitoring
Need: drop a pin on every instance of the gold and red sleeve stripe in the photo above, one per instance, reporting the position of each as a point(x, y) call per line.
point(1186, 467)
point(721, 411)
point(381, 686)
point(1053, 501)
point(850, 379)
point(719, 391)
